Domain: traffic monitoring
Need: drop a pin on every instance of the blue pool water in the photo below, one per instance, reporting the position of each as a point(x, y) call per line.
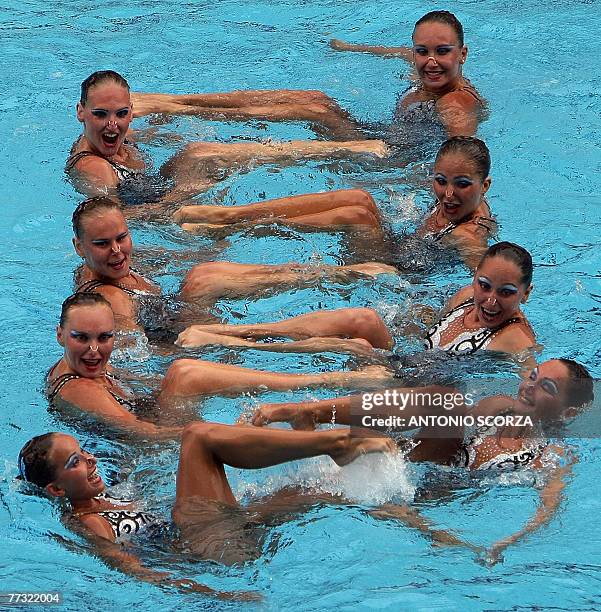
point(534, 62)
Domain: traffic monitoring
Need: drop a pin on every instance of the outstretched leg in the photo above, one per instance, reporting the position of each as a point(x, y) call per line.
point(202, 164)
point(211, 281)
point(191, 378)
point(267, 105)
point(364, 323)
point(297, 209)
point(207, 447)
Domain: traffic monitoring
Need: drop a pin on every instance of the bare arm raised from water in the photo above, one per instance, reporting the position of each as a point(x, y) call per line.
point(405, 53)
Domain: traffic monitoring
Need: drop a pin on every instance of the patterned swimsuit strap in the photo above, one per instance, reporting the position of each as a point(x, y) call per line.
point(120, 170)
point(59, 382)
point(91, 285)
point(73, 159)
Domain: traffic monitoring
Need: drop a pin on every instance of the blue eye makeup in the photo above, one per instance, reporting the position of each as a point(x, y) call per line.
point(72, 461)
point(550, 387)
point(508, 290)
point(78, 335)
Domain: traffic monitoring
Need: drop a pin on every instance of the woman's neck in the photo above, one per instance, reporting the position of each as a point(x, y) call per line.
point(454, 85)
point(128, 280)
point(81, 506)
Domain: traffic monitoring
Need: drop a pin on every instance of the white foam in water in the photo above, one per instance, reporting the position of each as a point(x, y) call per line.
point(372, 479)
point(405, 207)
point(132, 346)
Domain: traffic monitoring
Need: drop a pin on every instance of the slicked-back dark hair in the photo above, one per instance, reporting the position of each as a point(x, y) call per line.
point(445, 17)
point(34, 464)
point(81, 299)
point(581, 383)
point(87, 208)
point(98, 77)
point(515, 253)
point(473, 148)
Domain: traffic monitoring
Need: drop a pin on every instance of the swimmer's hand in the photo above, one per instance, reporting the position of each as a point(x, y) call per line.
point(490, 557)
point(299, 417)
point(189, 586)
point(340, 45)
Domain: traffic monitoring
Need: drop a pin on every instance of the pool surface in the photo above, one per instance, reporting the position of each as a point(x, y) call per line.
point(533, 61)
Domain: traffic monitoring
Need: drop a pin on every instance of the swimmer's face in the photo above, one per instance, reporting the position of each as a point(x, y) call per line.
point(75, 469)
point(458, 186)
point(106, 116)
point(438, 56)
point(105, 244)
point(545, 392)
point(498, 291)
point(88, 338)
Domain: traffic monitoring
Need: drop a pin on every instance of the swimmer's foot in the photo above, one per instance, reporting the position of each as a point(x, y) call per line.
point(373, 269)
point(299, 417)
point(372, 374)
point(198, 228)
point(355, 446)
point(193, 337)
point(378, 148)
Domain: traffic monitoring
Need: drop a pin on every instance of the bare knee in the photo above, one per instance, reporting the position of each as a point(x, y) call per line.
point(366, 323)
point(360, 197)
point(179, 371)
point(355, 215)
point(196, 433)
point(205, 278)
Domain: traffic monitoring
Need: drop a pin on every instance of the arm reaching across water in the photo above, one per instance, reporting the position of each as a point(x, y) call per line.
point(550, 497)
point(98, 531)
point(405, 53)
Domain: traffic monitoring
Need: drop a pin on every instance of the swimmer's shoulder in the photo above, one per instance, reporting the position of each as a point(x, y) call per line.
point(463, 295)
point(78, 388)
point(465, 95)
point(514, 338)
point(98, 525)
point(93, 169)
point(460, 111)
point(121, 303)
point(496, 404)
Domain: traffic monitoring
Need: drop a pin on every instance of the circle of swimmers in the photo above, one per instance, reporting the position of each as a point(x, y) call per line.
point(113, 300)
